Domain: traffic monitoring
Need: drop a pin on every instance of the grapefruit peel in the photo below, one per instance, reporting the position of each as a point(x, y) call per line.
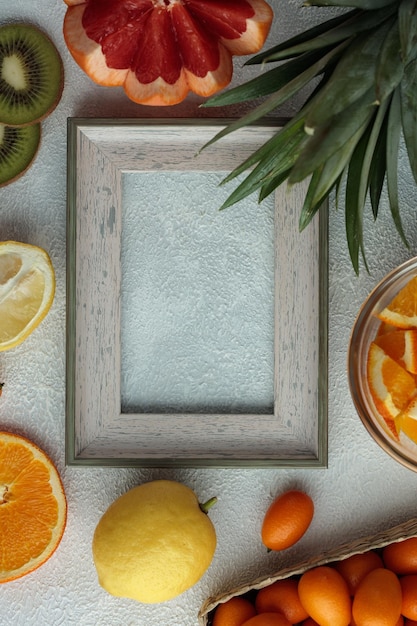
point(160, 50)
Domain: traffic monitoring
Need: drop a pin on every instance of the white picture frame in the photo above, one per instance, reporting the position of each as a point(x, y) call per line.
point(294, 434)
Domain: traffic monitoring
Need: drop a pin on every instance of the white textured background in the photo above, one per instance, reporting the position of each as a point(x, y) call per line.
point(363, 490)
point(201, 284)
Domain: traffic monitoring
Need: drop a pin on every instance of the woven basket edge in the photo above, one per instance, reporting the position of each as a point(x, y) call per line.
point(379, 540)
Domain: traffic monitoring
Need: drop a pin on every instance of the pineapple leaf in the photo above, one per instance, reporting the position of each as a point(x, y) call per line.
point(393, 143)
point(354, 203)
point(355, 22)
point(272, 183)
point(338, 187)
point(378, 168)
point(314, 199)
point(390, 67)
point(362, 67)
point(330, 137)
point(254, 181)
point(281, 96)
point(274, 164)
point(274, 149)
point(409, 113)
point(407, 24)
point(373, 135)
point(353, 76)
point(304, 38)
point(309, 208)
point(334, 167)
point(359, 4)
point(266, 83)
point(365, 149)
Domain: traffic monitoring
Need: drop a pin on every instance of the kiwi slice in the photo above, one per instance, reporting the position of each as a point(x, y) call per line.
point(18, 148)
point(31, 75)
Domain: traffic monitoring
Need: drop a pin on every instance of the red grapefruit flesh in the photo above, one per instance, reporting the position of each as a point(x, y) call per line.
point(87, 53)
point(241, 27)
point(160, 50)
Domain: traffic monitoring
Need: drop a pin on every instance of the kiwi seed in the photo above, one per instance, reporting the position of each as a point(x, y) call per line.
point(31, 75)
point(18, 148)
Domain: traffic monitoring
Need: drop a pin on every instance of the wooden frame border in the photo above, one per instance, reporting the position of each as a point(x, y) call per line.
point(97, 433)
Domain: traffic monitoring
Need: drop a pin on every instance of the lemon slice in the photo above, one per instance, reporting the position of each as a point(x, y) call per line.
point(27, 288)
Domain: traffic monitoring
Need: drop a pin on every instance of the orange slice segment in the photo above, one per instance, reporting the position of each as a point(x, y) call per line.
point(406, 421)
point(402, 310)
point(27, 288)
point(400, 345)
point(391, 386)
point(385, 328)
point(32, 507)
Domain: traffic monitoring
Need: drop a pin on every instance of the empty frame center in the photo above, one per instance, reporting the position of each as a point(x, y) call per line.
point(197, 297)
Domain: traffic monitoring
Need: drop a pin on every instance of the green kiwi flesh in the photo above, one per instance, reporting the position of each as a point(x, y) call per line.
point(31, 75)
point(18, 148)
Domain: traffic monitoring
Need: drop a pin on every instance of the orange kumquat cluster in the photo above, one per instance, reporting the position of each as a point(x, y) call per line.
point(377, 587)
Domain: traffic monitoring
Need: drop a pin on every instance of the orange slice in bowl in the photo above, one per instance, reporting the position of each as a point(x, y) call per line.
point(406, 421)
point(391, 386)
point(400, 345)
point(33, 507)
point(385, 328)
point(402, 310)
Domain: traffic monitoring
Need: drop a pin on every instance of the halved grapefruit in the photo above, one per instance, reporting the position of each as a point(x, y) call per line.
point(160, 50)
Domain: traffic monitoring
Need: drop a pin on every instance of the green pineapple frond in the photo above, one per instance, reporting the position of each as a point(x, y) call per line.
point(363, 64)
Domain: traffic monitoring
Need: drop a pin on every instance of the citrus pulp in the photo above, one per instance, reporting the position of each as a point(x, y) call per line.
point(32, 507)
point(402, 310)
point(391, 386)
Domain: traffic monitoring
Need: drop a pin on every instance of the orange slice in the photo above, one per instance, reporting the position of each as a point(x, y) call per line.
point(400, 345)
point(391, 386)
point(27, 288)
point(32, 507)
point(406, 421)
point(402, 310)
point(385, 328)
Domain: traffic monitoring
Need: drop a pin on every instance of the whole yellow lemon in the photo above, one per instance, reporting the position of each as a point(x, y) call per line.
point(154, 542)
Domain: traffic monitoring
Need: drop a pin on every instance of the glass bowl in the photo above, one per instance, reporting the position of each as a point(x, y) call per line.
point(364, 331)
